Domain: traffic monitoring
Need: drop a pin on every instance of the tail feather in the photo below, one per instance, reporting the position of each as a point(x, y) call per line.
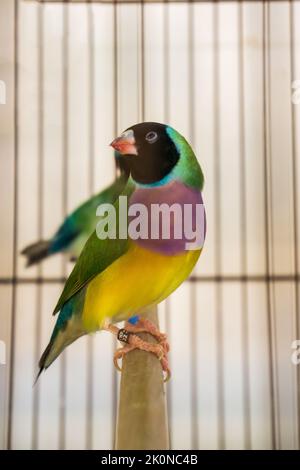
point(69, 332)
point(67, 329)
point(51, 352)
point(38, 375)
point(36, 252)
point(43, 361)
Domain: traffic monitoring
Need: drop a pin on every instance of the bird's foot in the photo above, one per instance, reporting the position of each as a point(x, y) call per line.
point(133, 341)
point(120, 353)
point(144, 325)
point(128, 335)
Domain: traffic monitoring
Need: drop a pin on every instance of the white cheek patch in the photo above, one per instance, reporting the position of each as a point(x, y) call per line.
point(128, 135)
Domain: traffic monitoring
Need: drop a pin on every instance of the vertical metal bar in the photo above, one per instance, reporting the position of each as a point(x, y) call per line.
point(217, 216)
point(15, 230)
point(116, 68)
point(295, 206)
point(166, 31)
point(142, 58)
point(65, 150)
point(193, 289)
point(191, 71)
point(40, 145)
point(116, 125)
point(91, 173)
point(91, 95)
point(166, 26)
point(266, 120)
point(243, 207)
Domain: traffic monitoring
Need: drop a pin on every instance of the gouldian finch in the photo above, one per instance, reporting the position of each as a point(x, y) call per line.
point(73, 233)
point(115, 277)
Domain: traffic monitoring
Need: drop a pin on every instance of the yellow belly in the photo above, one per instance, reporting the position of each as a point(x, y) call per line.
point(138, 279)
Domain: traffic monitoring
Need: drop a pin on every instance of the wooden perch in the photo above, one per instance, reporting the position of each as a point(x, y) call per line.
point(142, 416)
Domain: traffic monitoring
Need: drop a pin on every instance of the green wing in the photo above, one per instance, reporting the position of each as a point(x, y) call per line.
point(96, 256)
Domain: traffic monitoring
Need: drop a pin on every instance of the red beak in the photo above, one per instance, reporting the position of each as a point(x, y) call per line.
point(125, 144)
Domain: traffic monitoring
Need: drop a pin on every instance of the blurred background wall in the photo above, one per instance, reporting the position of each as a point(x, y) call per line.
point(221, 73)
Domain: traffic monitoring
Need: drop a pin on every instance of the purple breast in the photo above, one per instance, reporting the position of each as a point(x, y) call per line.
point(168, 219)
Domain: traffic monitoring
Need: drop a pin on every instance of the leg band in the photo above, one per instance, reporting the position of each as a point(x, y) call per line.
point(123, 335)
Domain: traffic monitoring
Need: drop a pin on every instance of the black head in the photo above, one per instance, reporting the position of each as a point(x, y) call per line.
point(148, 151)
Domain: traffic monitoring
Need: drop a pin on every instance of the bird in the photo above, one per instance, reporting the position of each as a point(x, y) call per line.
point(76, 228)
point(116, 277)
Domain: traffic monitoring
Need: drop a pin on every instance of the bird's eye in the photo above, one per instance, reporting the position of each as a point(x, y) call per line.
point(151, 137)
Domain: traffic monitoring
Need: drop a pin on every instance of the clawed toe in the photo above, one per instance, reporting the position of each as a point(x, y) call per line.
point(128, 336)
point(120, 353)
point(165, 367)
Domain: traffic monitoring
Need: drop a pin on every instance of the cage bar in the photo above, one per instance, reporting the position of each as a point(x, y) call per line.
point(243, 286)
